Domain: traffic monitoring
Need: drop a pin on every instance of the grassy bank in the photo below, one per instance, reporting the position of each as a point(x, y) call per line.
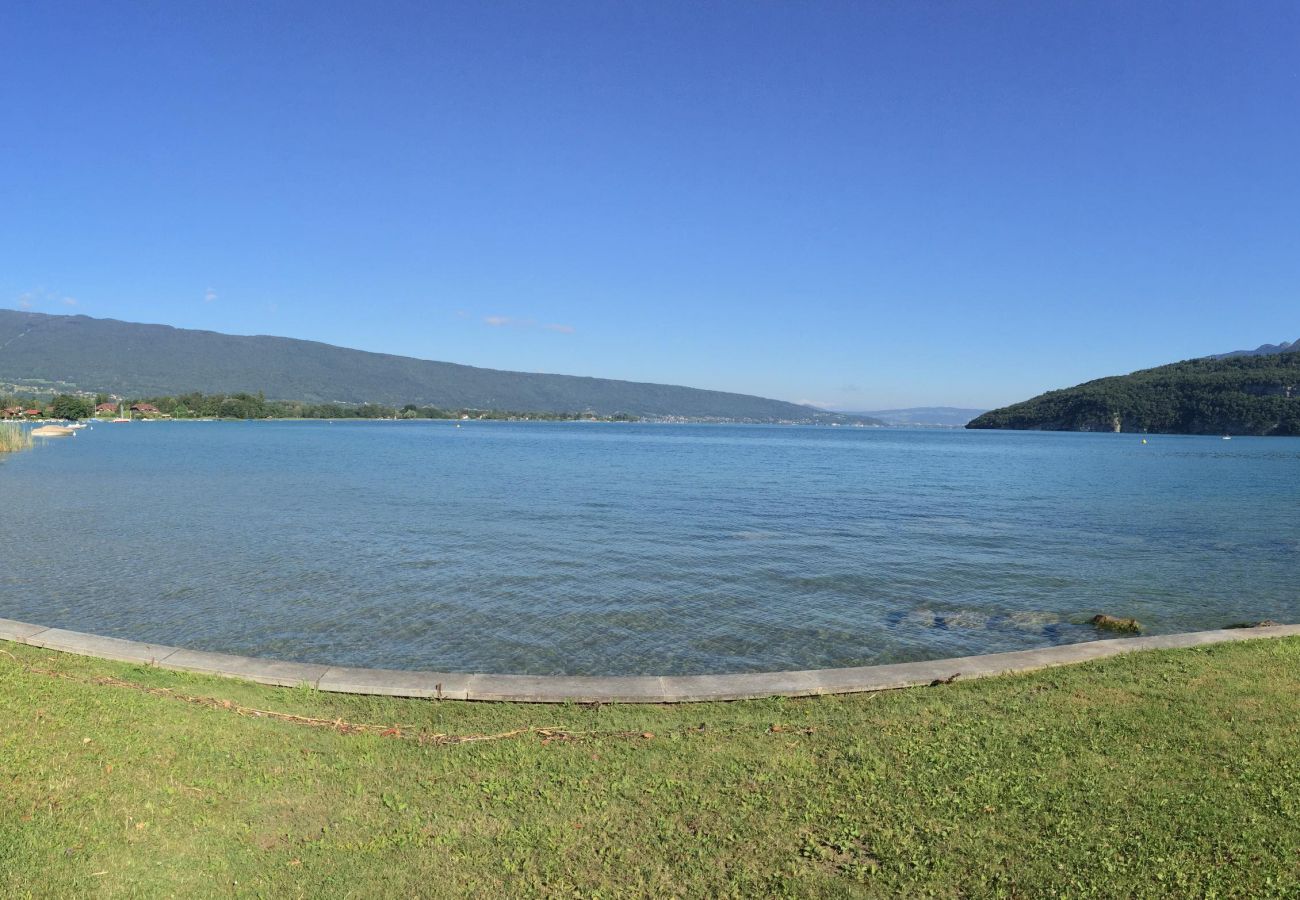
point(13, 438)
point(1171, 773)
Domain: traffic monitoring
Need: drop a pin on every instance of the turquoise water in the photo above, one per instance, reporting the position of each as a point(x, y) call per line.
point(616, 549)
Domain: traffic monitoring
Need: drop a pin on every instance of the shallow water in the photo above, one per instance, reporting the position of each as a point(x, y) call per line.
point(618, 549)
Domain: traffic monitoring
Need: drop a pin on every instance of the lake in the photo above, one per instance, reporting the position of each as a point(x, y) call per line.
point(591, 548)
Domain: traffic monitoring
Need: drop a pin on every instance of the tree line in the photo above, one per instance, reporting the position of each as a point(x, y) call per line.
point(196, 405)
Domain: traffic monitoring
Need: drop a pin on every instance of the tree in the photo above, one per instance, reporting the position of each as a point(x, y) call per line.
point(66, 406)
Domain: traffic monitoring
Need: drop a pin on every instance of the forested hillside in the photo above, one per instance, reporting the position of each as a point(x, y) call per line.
point(1237, 395)
point(127, 359)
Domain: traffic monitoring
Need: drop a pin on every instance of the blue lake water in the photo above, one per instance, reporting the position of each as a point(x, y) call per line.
point(621, 549)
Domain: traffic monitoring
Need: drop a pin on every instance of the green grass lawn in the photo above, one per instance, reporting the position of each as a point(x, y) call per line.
point(1173, 773)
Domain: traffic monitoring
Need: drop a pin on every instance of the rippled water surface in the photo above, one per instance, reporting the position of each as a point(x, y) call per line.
point(593, 548)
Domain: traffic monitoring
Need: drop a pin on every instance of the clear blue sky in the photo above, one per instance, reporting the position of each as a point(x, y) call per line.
point(856, 204)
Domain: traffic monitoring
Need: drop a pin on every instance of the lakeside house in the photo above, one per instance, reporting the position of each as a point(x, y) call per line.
point(11, 412)
point(33, 413)
point(110, 408)
point(145, 410)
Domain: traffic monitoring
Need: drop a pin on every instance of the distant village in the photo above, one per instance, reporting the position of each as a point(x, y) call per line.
point(100, 411)
point(74, 407)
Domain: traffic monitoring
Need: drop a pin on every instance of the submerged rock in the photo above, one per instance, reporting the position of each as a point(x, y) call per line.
point(1266, 623)
point(1033, 620)
point(1112, 623)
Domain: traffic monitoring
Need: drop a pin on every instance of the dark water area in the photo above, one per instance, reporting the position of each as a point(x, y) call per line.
point(585, 548)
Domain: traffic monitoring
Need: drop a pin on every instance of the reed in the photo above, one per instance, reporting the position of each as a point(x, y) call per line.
point(13, 438)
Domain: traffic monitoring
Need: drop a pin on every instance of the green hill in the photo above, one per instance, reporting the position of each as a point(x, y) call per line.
point(1236, 395)
point(128, 359)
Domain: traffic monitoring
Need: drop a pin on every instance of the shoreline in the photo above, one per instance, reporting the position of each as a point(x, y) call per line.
point(611, 689)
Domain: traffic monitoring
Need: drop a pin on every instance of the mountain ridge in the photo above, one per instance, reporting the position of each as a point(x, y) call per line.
point(1262, 350)
point(127, 358)
point(924, 416)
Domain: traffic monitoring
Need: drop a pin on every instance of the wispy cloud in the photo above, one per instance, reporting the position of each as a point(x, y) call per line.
point(209, 295)
point(40, 296)
point(512, 322)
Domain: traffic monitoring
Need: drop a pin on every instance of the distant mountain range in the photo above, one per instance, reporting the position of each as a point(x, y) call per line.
point(1247, 392)
point(925, 416)
point(61, 353)
point(1263, 350)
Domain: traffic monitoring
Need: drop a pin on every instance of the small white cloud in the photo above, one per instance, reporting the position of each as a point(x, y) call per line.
point(25, 301)
point(69, 301)
point(512, 322)
point(209, 295)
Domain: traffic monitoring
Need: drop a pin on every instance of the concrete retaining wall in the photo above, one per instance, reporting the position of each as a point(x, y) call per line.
point(614, 689)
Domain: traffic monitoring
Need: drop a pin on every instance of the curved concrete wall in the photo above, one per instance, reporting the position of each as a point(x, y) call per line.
point(615, 689)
